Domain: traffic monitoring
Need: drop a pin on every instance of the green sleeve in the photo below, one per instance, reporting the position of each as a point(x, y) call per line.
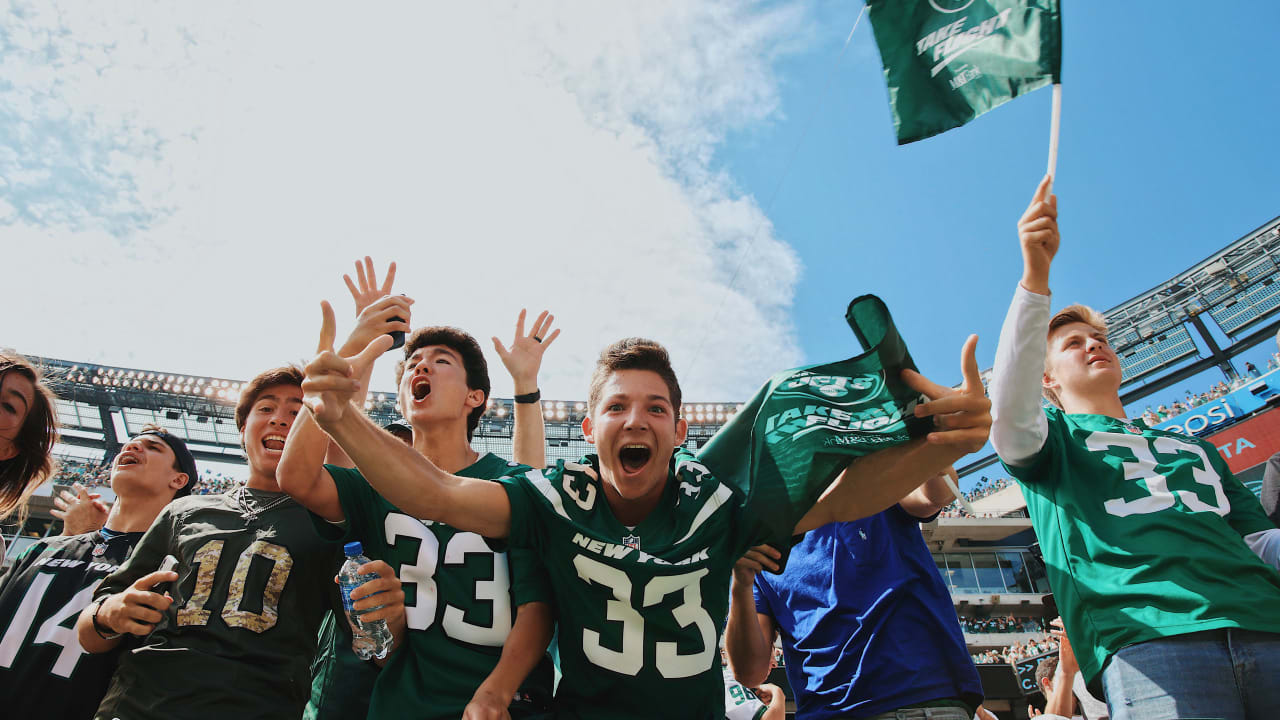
point(1038, 470)
point(157, 542)
point(529, 582)
point(357, 499)
point(1246, 516)
point(520, 495)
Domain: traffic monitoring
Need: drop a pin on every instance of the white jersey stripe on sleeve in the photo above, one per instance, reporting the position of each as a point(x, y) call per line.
point(540, 481)
point(713, 503)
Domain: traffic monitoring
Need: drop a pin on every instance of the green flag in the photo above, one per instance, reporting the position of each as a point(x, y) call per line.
point(807, 424)
point(948, 61)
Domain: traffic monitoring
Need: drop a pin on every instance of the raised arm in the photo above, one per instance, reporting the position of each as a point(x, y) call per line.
point(749, 634)
point(523, 361)
point(876, 481)
point(401, 475)
point(301, 472)
point(930, 497)
point(1019, 428)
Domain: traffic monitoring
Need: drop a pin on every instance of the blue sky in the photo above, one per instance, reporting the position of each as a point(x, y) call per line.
point(615, 163)
point(1168, 152)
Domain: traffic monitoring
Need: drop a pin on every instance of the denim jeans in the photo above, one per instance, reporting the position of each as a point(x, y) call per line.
point(1231, 674)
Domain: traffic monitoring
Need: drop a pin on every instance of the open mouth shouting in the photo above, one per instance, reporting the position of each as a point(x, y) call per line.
point(128, 458)
point(421, 388)
point(274, 443)
point(633, 457)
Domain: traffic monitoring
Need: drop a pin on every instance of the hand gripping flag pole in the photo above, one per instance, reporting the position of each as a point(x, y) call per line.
point(1054, 118)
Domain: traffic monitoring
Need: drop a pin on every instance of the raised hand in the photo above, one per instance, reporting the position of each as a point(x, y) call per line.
point(366, 289)
point(384, 315)
point(760, 557)
point(80, 513)
point(962, 417)
point(1038, 235)
point(524, 358)
point(330, 380)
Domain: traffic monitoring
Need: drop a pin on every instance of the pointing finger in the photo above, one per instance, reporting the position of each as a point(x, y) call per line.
point(969, 365)
point(373, 350)
point(328, 327)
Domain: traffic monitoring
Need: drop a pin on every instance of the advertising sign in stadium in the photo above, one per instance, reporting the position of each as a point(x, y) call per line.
point(1225, 410)
point(1249, 443)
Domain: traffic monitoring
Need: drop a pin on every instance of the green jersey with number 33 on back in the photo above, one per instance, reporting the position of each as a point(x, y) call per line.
point(1141, 532)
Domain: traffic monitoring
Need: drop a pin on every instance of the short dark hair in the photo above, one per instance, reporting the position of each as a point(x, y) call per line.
point(473, 362)
point(1046, 670)
point(634, 353)
point(283, 375)
point(193, 475)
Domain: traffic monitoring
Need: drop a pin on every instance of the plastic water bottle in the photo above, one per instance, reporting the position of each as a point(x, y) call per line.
point(369, 639)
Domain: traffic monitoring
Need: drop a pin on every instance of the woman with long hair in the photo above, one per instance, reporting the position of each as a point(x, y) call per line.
point(28, 430)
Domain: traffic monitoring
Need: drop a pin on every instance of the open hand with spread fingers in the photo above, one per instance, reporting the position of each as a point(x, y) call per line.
point(330, 380)
point(80, 512)
point(378, 312)
point(524, 358)
point(962, 417)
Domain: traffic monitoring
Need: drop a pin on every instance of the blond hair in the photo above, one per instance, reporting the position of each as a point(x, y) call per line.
point(1066, 316)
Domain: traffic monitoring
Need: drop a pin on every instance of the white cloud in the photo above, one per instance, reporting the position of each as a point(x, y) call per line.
point(185, 185)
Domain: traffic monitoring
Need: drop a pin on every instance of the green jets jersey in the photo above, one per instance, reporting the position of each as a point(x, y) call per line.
point(239, 638)
point(639, 609)
point(1141, 533)
point(460, 601)
point(43, 670)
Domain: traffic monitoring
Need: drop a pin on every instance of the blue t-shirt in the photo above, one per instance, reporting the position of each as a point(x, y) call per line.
point(866, 622)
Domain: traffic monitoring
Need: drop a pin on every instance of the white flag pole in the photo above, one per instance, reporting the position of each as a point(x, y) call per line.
point(1053, 133)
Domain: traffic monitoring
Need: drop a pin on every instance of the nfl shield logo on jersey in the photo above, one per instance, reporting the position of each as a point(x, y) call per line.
point(1134, 429)
point(632, 541)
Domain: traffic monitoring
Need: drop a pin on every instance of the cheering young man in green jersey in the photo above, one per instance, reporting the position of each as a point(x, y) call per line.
point(478, 622)
point(233, 632)
point(1146, 534)
point(639, 540)
point(43, 670)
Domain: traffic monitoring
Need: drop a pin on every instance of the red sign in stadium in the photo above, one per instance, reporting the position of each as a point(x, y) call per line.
point(1246, 444)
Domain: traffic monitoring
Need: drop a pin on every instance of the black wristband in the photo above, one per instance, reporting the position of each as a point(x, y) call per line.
point(97, 626)
point(529, 398)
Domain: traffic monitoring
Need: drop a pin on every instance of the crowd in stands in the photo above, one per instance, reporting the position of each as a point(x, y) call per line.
point(97, 474)
point(983, 488)
point(1016, 653)
point(1194, 400)
point(1006, 624)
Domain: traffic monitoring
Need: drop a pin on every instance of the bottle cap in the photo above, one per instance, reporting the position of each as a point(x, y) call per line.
point(352, 549)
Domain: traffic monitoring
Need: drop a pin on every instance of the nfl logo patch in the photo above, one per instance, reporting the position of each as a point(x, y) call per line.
point(99, 550)
point(1134, 429)
point(632, 541)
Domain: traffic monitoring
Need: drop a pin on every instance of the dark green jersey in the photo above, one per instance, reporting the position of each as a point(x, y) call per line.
point(460, 600)
point(239, 638)
point(1141, 533)
point(341, 683)
point(639, 609)
point(43, 670)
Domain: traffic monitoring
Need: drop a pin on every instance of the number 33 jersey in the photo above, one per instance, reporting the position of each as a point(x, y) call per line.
point(43, 670)
point(640, 609)
point(1142, 532)
point(240, 636)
